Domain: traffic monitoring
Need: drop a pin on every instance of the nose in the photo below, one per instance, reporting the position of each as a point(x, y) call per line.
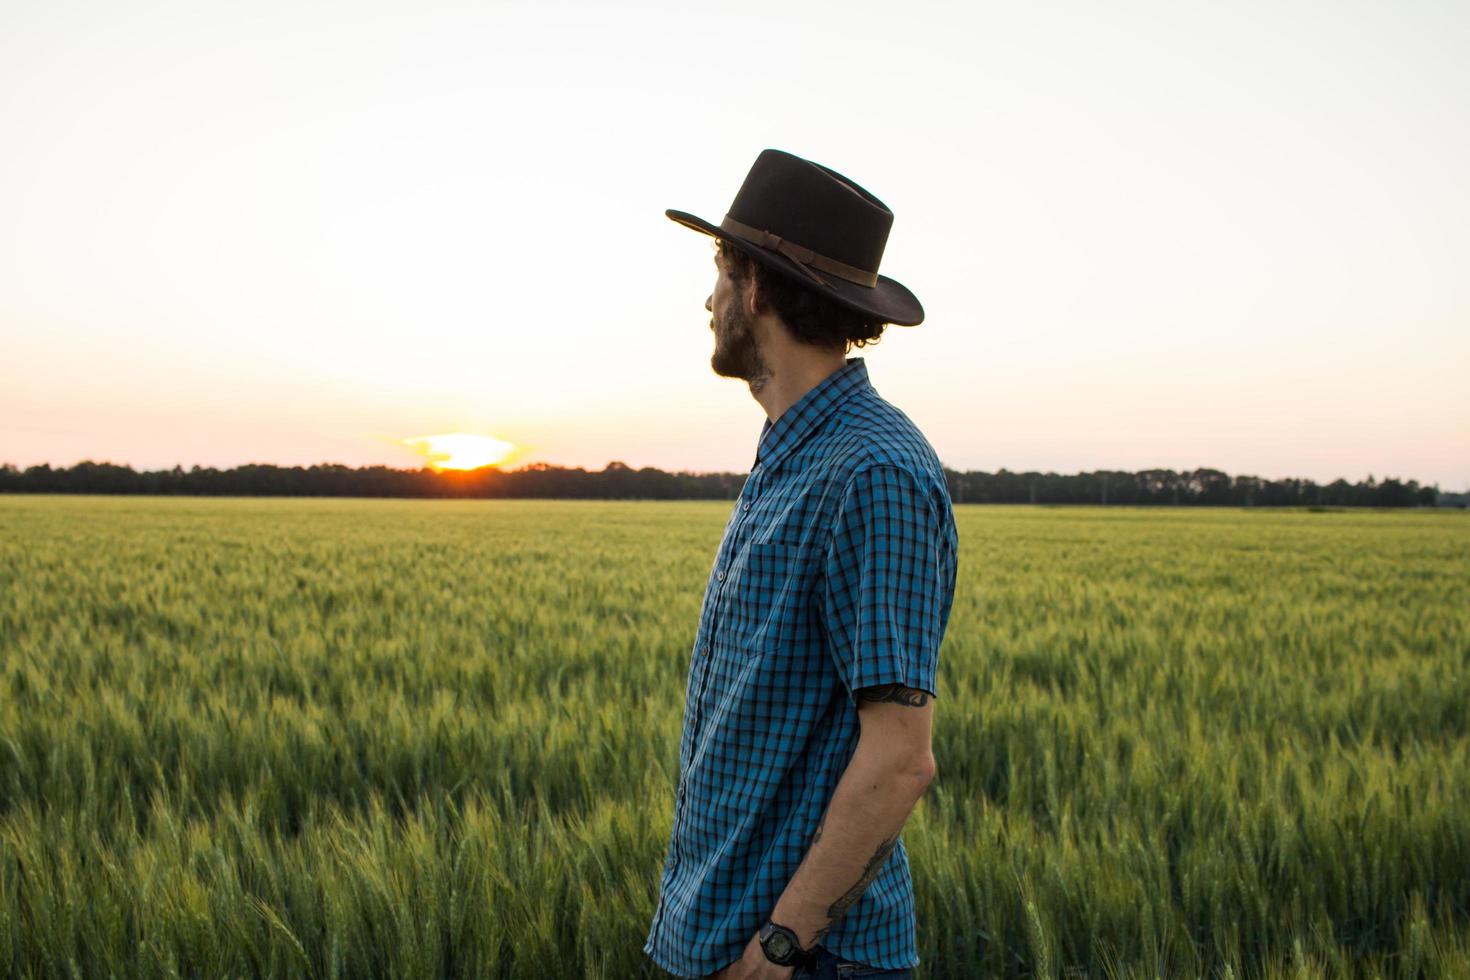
point(709, 302)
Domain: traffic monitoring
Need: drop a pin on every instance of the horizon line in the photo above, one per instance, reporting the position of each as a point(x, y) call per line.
point(1369, 475)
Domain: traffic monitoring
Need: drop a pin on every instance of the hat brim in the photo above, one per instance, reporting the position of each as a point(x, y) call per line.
point(889, 301)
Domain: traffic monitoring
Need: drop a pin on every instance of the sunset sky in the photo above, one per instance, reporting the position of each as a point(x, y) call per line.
point(1145, 234)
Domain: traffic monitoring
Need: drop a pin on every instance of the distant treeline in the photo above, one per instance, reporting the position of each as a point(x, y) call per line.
point(618, 481)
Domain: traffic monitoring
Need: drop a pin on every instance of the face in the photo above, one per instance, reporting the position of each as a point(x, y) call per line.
point(737, 352)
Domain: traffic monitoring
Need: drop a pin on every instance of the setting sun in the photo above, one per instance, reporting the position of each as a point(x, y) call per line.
point(460, 450)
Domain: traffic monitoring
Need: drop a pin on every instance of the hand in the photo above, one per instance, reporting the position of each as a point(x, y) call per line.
point(753, 965)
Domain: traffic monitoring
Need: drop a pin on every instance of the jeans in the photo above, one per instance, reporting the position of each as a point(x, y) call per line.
point(830, 966)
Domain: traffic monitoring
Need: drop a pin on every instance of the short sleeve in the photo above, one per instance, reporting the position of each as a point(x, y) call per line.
point(888, 582)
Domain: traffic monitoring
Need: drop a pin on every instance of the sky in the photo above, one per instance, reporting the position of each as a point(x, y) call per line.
point(1169, 234)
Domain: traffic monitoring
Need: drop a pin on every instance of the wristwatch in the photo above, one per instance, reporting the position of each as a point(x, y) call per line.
point(782, 947)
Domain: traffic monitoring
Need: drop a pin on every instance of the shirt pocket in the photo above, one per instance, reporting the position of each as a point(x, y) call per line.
point(767, 607)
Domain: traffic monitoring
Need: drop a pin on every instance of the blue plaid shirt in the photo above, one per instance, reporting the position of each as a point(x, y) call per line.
point(836, 572)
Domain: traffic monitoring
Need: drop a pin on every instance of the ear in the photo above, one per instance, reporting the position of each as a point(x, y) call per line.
point(751, 297)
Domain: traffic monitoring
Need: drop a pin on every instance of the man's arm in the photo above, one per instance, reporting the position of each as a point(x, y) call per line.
point(889, 771)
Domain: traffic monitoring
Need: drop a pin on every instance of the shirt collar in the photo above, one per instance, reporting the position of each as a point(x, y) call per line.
point(778, 438)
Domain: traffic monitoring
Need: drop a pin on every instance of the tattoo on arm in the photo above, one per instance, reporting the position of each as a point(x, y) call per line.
point(875, 865)
point(896, 693)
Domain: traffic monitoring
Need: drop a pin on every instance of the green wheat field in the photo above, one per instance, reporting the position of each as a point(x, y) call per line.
point(331, 738)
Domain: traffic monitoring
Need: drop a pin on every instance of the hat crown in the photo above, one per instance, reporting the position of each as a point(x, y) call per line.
point(815, 207)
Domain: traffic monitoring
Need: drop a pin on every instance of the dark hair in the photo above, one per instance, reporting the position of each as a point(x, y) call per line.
point(811, 317)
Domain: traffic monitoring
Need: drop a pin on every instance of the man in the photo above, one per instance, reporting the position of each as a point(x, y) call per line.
point(808, 713)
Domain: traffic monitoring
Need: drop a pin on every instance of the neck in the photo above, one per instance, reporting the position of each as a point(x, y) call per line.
point(795, 369)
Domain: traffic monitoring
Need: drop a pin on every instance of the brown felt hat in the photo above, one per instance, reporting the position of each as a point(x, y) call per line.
point(816, 226)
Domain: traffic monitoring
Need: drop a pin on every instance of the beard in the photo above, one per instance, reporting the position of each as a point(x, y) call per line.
point(737, 355)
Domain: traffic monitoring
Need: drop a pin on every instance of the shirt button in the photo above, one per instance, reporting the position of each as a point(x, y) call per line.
point(720, 574)
point(745, 506)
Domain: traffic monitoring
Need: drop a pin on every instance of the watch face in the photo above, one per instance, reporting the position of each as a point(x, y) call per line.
point(778, 944)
